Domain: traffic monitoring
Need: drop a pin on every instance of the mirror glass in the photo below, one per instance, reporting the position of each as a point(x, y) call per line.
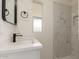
point(9, 11)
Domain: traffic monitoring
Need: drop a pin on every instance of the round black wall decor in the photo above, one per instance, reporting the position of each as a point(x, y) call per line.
point(24, 14)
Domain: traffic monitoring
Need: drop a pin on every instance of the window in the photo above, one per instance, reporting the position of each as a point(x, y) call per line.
point(37, 24)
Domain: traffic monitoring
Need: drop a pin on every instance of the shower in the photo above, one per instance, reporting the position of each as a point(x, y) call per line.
point(65, 43)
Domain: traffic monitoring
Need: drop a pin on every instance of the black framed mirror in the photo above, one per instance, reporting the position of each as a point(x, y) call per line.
point(9, 11)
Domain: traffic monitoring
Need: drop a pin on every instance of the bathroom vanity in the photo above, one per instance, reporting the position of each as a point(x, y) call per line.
point(29, 49)
point(18, 13)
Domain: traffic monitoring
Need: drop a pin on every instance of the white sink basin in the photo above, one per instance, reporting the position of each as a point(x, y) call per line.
point(20, 46)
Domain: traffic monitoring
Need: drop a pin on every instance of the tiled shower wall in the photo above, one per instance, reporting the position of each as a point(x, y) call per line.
point(75, 41)
point(62, 30)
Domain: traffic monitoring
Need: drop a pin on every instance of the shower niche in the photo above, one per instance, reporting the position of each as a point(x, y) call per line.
point(9, 11)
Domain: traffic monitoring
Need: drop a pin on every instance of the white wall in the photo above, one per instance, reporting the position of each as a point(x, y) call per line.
point(24, 25)
point(37, 9)
point(46, 37)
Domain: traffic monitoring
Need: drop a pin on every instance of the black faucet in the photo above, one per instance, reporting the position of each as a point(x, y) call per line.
point(14, 36)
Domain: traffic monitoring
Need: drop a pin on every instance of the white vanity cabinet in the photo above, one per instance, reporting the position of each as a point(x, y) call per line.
point(22, 55)
point(21, 50)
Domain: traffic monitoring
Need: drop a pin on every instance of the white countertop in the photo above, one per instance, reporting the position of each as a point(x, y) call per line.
point(26, 45)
